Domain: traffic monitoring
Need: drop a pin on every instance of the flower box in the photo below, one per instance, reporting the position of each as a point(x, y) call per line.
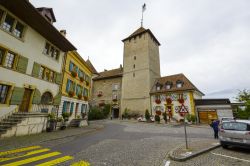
point(79, 96)
point(71, 93)
point(81, 79)
point(157, 101)
point(99, 95)
point(169, 101)
point(85, 98)
point(74, 73)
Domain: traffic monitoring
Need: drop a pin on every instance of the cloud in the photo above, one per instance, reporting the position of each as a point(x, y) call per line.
point(206, 40)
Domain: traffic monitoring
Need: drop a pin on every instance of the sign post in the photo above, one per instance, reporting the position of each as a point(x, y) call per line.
point(185, 130)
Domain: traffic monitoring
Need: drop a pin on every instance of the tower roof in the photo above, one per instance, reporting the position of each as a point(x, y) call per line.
point(91, 66)
point(141, 31)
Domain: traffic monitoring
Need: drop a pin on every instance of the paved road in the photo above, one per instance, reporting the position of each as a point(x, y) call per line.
point(135, 144)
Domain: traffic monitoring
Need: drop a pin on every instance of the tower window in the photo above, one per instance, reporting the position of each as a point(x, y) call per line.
point(179, 84)
point(134, 57)
point(133, 74)
point(134, 66)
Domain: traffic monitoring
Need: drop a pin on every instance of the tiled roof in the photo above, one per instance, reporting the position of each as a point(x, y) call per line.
point(212, 102)
point(91, 66)
point(109, 74)
point(187, 84)
point(140, 31)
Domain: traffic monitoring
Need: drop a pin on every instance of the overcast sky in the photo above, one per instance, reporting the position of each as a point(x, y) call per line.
point(207, 40)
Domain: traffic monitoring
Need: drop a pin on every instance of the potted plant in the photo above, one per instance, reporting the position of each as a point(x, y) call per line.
point(157, 118)
point(81, 79)
point(73, 73)
point(71, 93)
point(168, 100)
point(65, 116)
point(51, 125)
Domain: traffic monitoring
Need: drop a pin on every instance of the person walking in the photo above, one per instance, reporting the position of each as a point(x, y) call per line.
point(215, 126)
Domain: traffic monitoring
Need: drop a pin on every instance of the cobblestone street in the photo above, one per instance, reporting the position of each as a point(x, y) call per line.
point(127, 143)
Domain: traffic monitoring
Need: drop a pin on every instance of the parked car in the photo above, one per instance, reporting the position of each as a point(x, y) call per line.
point(223, 119)
point(235, 133)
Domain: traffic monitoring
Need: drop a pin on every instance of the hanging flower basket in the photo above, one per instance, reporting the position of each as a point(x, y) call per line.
point(85, 98)
point(157, 101)
point(99, 95)
point(169, 100)
point(158, 112)
point(81, 79)
point(79, 96)
point(74, 73)
point(71, 93)
point(181, 101)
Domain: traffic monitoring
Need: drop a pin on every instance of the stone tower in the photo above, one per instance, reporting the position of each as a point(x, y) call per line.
point(141, 67)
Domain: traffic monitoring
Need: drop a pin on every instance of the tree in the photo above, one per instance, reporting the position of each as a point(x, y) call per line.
point(244, 96)
point(147, 115)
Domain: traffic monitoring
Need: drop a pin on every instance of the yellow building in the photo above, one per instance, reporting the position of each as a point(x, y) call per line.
point(76, 85)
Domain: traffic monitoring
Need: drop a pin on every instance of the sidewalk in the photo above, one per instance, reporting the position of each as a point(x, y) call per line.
point(195, 148)
point(28, 140)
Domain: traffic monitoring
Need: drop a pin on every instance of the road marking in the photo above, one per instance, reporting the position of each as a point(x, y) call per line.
point(81, 163)
point(32, 159)
point(56, 161)
point(167, 163)
point(27, 154)
point(230, 157)
point(19, 150)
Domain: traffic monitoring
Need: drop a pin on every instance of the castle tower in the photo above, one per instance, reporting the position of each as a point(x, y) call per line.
point(141, 67)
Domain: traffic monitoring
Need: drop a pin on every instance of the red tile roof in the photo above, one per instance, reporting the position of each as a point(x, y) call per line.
point(187, 84)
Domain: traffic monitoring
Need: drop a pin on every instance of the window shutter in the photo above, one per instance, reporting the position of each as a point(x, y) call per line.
point(36, 69)
point(58, 78)
point(22, 64)
point(17, 96)
point(57, 100)
point(36, 97)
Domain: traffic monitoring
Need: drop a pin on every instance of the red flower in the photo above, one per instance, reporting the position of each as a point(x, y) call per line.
point(169, 101)
point(181, 101)
point(157, 101)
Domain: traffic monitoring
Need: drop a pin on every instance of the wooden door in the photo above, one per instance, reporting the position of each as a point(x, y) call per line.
point(24, 107)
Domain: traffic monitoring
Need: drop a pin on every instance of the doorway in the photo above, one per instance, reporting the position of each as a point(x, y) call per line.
point(76, 109)
point(24, 107)
point(115, 112)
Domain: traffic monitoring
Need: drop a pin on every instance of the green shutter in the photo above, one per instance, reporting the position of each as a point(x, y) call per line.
point(57, 99)
point(36, 97)
point(36, 69)
point(58, 78)
point(17, 96)
point(22, 64)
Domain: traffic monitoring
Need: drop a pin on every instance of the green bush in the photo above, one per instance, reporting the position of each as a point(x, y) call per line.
point(164, 114)
point(243, 114)
point(147, 115)
point(65, 116)
point(126, 113)
point(95, 114)
point(157, 118)
point(191, 118)
point(106, 110)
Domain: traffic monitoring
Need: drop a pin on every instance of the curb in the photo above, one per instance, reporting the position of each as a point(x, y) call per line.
point(172, 157)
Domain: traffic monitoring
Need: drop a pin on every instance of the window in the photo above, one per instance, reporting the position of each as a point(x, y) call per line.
point(133, 74)
point(1, 56)
point(8, 23)
point(52, 51)
point(158, 86)
point(168, 85)
point(78, 89)
point(52, 75)
point(18, 31)
point(179, 84)
point(134, 66)
point(9, 60)
point(115, 86)
point(3, 93)
point(114, 96)
point(68, 86)
point(85, 92)
point(47, 98)
point(41, 72)
point(134, 57)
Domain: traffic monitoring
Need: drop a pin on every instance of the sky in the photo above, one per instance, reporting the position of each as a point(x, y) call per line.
point(207, 40)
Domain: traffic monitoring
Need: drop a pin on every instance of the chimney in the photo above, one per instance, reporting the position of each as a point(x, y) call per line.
point(63, 32)
point(120, 66)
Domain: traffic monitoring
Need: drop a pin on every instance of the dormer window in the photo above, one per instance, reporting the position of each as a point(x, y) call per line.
point(168, 85)
point(179, 84)
point(158, 86)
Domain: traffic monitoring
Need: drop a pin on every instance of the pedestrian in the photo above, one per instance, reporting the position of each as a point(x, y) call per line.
point(215, 126)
